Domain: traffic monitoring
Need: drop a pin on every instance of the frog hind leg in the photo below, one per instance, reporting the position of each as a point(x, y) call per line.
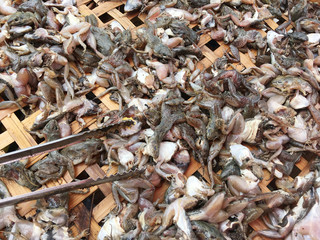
point(70, 168)
point(65, 163)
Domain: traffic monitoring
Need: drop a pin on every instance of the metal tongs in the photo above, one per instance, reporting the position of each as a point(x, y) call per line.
point(58, 144)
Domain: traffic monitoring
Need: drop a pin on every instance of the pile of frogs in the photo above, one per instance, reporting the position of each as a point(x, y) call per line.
point(240, 125)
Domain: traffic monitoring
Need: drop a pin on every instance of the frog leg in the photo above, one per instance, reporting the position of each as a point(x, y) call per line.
point(40, 180)
point(233, 124)
point(61, 172)
point(30, 178)
point(43, 177)
point(149, 50)
point(109, 159)
point(38, 166)
point(59, 99)
point(81, 36)
point(83, 234)
point(35, 22)
point(125, 189)
point(79, 40)
point(277, 153)
point(139, 51)
point(12, 104)
point(63, 163)
point(81, 191)
point(147, 194)
point(91, 41)
point(81, 122)
point(69, 45)
point(70, 168)
point(116, 198)
point(65, 76)
point(131, 194)
point(90, 160)
point(37, 133)
point(210, 171)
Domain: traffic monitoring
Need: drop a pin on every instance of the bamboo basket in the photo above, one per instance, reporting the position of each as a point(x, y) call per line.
point(90, 209)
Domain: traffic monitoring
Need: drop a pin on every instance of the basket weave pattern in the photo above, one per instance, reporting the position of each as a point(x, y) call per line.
point(15, 131)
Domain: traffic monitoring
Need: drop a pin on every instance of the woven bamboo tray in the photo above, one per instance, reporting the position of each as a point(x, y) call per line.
point(90, 209)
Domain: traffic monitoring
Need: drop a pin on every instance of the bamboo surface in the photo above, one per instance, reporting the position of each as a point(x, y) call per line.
point(15, 131)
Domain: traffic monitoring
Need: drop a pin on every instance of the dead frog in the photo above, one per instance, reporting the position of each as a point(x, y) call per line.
point(34, 6)
point(88, 59)
point(181, 29)
point(50, 132)
point(89, 152)
point(17, 172)
point(23, 19)
point(32, 12)
point(52, 167)
point(154, 44)
point(129, 190)
point(53, 209)
point(57, 163)
point(104, 43)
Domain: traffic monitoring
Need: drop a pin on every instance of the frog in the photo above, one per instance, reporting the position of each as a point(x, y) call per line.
point(41, 35)
point(57, 163)
point(50, 132)
point(23, 19)
point(205, 230)
point(198, 4)
point(297, 37)
point(154, 43)
point(129, 189)
point(162, 22)
point(123, 38)
point(104, 43)
point(153, 116)
point(53, 210)
point(17, 31)
point(89, 59)
point(169, 116)
point(289, 84)
point(36, 6)
point(252, 213)
point(309, 25)
point(52, 167)
point(215, 121)
point(231, 168)
point(17, 172)
point(298, 9)
point(89, 152)
point(181, 29)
